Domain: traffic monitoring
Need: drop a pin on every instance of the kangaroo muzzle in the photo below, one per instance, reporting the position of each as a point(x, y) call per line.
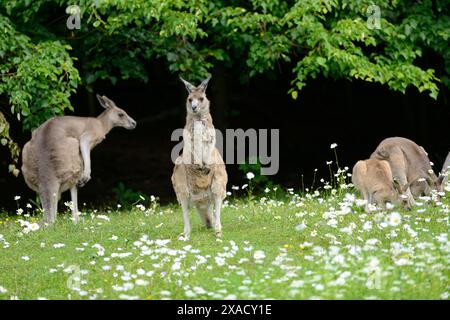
point(132, 124)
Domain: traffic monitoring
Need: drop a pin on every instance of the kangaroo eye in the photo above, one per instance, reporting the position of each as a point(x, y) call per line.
point(201, 99)
point(121, 115)
point(190, 99)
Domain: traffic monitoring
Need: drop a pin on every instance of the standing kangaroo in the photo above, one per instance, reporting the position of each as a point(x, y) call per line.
point(373, 178)
point(57, 158)
point(199, 176)
point(410, 165)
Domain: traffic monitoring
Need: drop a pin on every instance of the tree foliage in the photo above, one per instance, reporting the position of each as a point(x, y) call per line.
point(117, 38)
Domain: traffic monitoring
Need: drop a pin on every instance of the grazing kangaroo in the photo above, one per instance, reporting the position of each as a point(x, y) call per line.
point(373, 178)
point(57, 158)
point(199, 177)
point(410, 166)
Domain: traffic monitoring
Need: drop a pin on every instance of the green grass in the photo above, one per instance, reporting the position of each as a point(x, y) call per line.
point(320, 261)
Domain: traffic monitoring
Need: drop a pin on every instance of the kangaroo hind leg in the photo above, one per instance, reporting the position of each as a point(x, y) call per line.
point(49, 198)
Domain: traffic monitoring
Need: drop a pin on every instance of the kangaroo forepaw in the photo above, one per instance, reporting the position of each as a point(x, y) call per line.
point(83, 180)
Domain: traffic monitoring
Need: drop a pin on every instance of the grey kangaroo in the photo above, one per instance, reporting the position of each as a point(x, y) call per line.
point(373, 178)
point(199, 176)
point(57, 158)
point(410, 166)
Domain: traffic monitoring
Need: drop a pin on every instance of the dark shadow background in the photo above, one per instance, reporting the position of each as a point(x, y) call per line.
point(355, 115)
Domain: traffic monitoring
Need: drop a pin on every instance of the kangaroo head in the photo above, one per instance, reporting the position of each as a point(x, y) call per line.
point(438, 184)
point(116, 116)
point(197, 103)
point(424, 186)
point(401, 197)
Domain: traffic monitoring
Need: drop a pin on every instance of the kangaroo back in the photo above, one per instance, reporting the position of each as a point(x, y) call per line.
point(405, 155)
point(358, 174)
point(51, 158)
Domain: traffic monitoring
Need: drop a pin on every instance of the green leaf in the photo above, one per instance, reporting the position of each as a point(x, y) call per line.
point(294, 94)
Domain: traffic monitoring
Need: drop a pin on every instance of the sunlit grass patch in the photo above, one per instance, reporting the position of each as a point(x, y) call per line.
point(310, 246)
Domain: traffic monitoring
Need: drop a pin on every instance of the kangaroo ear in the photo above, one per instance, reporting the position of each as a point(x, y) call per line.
point(204, 84)
point(401, 189)
point(430, 180)
point(397, 185)
point(189, 86)
point(440, 179)
point(105, 102)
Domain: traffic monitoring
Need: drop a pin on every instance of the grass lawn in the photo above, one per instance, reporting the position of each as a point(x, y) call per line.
point(314, 246)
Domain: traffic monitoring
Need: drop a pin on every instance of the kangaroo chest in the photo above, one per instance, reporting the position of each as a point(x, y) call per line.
point(96, 141)
point(199, 144)
point(199, 139)
point(201, 130)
